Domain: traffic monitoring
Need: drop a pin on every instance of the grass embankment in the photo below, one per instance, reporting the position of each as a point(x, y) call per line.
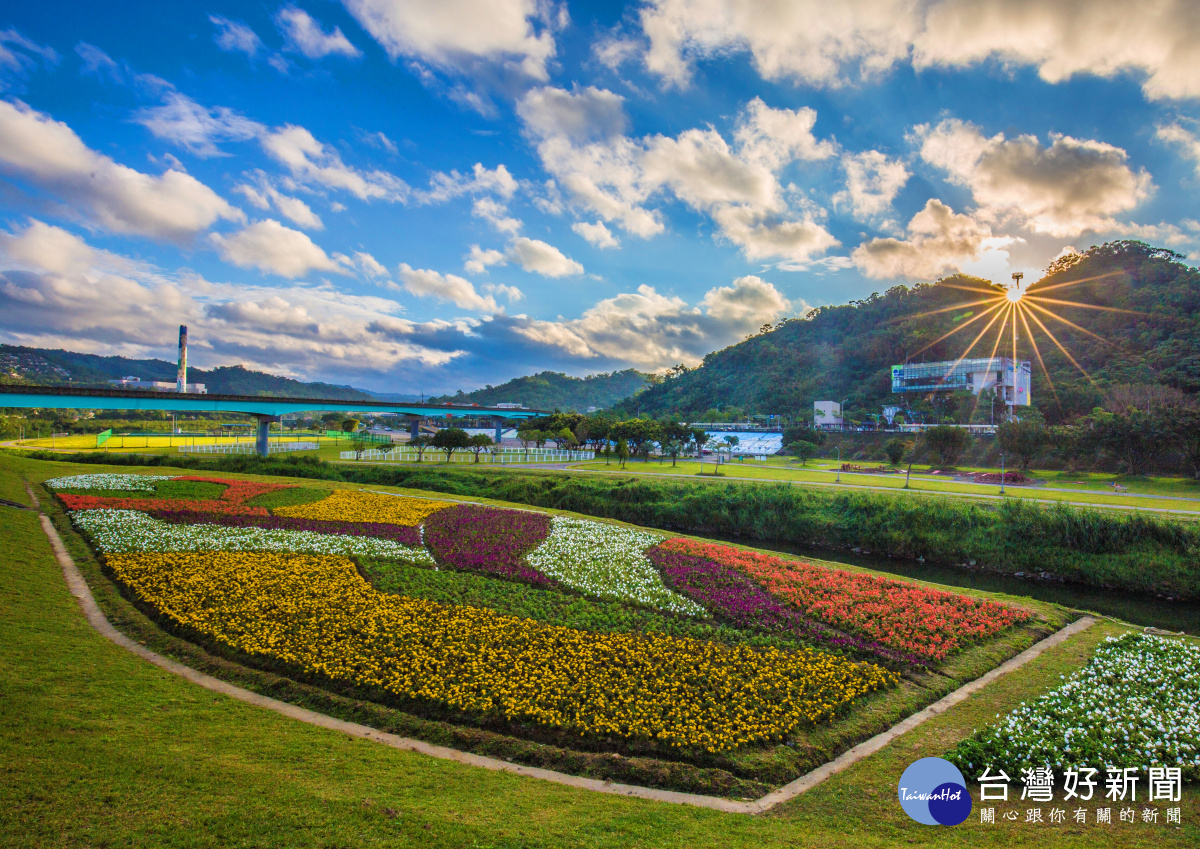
point(1136, 552)
point(746, 772)
point(101, 749)
point(1168, 496)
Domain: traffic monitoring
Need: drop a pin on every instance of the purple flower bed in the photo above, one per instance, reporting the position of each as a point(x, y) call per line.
point(396, 533)
point(736, 598)
point(488, 540)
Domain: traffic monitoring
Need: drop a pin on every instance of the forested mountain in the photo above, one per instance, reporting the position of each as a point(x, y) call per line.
point(550, 390)
point(53, 367)
point(1140, 324)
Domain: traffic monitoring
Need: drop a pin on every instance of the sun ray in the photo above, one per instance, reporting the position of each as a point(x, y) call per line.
point(1037, 353)
point(1072, 282)
point(1070, 323)
point(980, 290)
point(1082, 306)
point(957, 306)
point(995, 346)
point(969, 348)
point(1066, 353)
point(957, 329)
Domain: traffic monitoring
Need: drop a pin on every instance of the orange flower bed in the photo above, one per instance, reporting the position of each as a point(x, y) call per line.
point(232, 500)
point(925, 622)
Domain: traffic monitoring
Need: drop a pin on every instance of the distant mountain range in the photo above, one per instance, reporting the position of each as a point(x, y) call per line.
point(545, 391)
point(550, 390)
point(57, 367)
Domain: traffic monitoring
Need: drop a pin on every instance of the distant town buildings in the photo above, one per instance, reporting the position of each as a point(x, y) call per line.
point(133, 382)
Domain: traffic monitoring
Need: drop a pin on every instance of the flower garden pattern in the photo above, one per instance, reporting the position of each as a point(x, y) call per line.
point(1135, 704)
point(674, 643)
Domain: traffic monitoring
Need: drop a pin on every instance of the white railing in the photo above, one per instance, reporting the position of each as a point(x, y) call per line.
point(247, 448)
point(506, 456)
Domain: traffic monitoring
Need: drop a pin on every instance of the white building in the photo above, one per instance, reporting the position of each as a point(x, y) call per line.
point(827, 414)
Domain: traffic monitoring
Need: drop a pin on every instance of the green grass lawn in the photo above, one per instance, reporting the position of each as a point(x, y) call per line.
point(920, 482)
point(99, 748)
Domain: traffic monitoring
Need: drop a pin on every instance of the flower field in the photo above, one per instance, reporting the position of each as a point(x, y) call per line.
point(925, 622)
point(1135, 704)
point(510, 616)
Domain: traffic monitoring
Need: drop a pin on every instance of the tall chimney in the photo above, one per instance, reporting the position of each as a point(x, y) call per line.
point(181, 377)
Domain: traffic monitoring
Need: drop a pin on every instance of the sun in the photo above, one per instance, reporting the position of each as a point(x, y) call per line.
point(1014, 294)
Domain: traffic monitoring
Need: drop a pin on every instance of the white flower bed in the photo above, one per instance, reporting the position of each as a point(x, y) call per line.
point(132, 531)
point(1135, 704)
point(607, 561)
point(123, 483)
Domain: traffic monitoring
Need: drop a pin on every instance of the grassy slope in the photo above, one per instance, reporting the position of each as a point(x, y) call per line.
point(99, 748)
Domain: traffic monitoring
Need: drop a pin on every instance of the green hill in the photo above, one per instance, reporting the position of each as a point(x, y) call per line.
point(549, 390)
point(1146, 331)
point(50, 367)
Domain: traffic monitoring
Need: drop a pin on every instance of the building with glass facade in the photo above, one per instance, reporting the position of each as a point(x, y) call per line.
point(1010, 380)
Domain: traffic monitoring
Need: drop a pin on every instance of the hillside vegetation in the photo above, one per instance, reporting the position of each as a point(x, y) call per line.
point(846, 351)
point(549, 390)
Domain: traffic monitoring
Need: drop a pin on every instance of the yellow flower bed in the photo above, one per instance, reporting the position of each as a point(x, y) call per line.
point(353, 506)
point(316, 613)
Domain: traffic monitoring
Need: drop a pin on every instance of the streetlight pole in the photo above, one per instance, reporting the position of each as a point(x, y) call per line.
point(839, 462)
point(842, 412)
point(1001, 472)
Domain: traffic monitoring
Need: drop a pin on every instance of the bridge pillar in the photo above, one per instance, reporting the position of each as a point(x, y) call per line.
point(262, 438)
point(499, 422)
point(414, 427)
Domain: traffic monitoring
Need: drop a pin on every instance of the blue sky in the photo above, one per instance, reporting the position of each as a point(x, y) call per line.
point(427, 196)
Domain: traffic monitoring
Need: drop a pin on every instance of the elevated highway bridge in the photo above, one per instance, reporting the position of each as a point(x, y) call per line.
point(265, 409)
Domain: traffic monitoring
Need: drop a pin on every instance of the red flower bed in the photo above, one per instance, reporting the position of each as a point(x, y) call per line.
point(98, 502)
point(237, 492)
point(906, 617)
point(232, 500)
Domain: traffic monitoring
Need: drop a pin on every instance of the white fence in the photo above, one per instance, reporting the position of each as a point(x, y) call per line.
point(505, 456)
point(247, 448)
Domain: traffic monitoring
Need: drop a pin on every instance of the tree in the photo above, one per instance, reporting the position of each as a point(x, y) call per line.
point(1134, 437)
point(479, 443)
point(358, 445)
point(637, 433)
point(564, 438)
point(804, 433)
point(349, 425)
point(622, 451)
point(803, 450)
point(948, 442)
point(450, 438)
point(1023, 439)
point(527, 433)
point(1183, 422)
point(672, 447)
point(895, 449)
point(419, 445)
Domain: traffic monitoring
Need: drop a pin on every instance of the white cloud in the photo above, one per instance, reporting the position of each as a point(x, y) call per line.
point(57, 291)
point(1188, 142)
point(829, 44)
point(510, 293)
point(1062, 190)
point(614, 52)
point(314, 163)
point(371, 266)
point(304, 35)
point(774, 137)
point(544, 259)
point(264, 195)
point(185, 122)
point(807, 41)
point(652, 330)
point(269, 246)
point(458, 35)
point(443, 187)
point(496, 214)
point(580, 142)
point(445, 287)
point(872, 182)
point(597, 234)
point(46, 153)
point(235, 36)
point(478, 259)
point(580, 115)
point(1068, 37)
point(939, 240)
point(19, 54)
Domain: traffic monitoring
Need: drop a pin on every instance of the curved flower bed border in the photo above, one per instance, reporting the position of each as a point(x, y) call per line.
point(488, 540)
point(403, 534)
point(734, 597)
point(905, 617)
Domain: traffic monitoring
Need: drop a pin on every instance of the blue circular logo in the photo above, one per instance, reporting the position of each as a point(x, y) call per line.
point(932, 792)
